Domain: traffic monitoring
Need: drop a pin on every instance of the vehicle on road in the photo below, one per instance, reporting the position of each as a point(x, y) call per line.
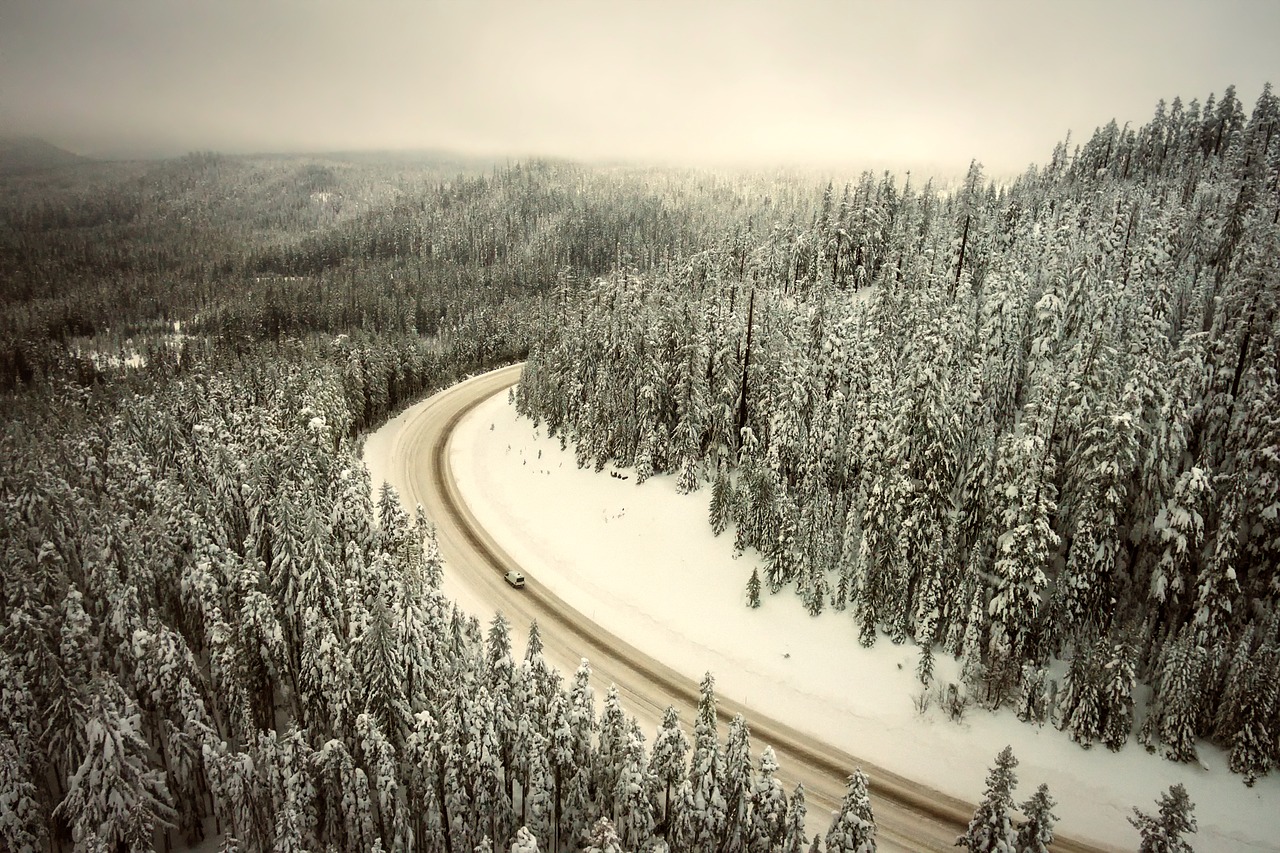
point(516, 579)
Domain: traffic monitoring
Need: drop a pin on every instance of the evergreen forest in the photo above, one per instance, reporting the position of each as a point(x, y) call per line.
point(208, 623)
point(1018, 423)
point(1023, 424)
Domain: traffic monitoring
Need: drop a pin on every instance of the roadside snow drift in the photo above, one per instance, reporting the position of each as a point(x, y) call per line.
point(642, 561)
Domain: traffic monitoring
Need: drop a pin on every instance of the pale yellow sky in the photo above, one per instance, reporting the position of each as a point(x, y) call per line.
point(825, 84)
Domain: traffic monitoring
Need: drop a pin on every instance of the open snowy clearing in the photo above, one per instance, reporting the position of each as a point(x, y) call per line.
point(643, 562)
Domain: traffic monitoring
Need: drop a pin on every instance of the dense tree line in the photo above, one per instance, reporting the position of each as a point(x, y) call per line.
point(1012, 423)
point(258, 247)
point(207, 623)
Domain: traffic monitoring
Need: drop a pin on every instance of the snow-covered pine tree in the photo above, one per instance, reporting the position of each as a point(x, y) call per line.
point(991, 829)
point(1080, 710)
point(924, 433)
point(736, 786)
point(633, 793)
point(378, 660)
point(581, 712)
point(1119, 677)
point(719, 512)
point(610, 752)
point(753, 588)
point(782, 546)
point(928, 615)
point(432, 561)
point(850, 546)
point(793, 836)
point(882, 500)
point(166, 673)
point(115, 796)
point(1032, 705)
point(668, 761)
point(709, 811)
point(1180, 527)
point(382, 767)
point(602, 838)
point(544, 681)
point(395, 528)
point(345, 790)
point(645, 453)
point(819, 533)
point(1096, 488)
point(420, 779)
point(768, 807)
point(690, 395)
point(853, 829)
point(1217, 586)
point(481, 768)
point(1035, 834)
point(1001, 670)
point(501, 678)
point(1163, 832)
point(680, 831)
point(537, 800)
point(421, 617)
point(560, 761)
point(1026, 496)
point(294, 778)
point(22, 820)
point(1171, 719)
point(1253, 745)
point(452, 781)
point(578, 807)
point(230, 777)
point(288, 831)
point(972, 666)
point(325, 680)
point(352, 512)
point(1235, 682)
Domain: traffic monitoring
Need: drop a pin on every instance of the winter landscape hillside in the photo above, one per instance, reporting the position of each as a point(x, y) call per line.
point(915, 461)
point(642, 561)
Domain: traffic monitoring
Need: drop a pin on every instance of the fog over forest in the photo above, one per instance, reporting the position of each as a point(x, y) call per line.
point(851, 86)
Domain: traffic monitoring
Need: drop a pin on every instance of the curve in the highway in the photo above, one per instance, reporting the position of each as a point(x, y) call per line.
point(909, 816)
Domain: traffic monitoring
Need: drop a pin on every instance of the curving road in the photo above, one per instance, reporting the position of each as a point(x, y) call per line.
point(909, 817)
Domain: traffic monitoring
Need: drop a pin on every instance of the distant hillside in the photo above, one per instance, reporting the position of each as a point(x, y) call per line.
point(27, 153)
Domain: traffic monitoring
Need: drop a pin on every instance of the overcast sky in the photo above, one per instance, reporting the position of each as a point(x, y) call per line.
point(852, 84)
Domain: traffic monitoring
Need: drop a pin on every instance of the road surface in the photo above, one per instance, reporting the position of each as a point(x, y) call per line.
point(909, 817)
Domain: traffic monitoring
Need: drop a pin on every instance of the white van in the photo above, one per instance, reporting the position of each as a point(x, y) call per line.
point(515, 579)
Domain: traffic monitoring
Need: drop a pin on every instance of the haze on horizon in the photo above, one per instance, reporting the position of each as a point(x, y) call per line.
point(924, 85)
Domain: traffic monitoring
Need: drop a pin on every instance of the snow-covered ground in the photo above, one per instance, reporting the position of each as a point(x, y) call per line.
point(642, 560)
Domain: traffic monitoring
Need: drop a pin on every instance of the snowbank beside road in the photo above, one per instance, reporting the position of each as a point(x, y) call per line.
point(643, 562)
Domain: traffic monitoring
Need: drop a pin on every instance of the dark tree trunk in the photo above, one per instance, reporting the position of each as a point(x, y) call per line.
point(964, 243)
point(444, 809)
point(746, 364)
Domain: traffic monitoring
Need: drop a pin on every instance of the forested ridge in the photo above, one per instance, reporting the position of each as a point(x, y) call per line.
point(210, 626)
point(207, 622)
point(272, 247)
point(1015, 424)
